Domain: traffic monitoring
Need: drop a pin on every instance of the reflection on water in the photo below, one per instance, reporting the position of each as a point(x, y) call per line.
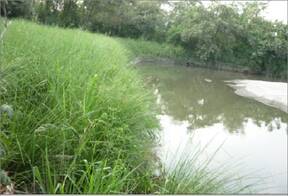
point(196, 103)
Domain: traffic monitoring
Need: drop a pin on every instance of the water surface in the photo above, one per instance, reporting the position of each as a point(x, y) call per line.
point(198, 107)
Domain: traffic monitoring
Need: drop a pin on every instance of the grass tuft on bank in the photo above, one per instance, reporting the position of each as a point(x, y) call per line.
point(78, 112)
point(75, 118)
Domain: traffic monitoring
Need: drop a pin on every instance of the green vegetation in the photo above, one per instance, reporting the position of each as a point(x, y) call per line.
point(142, 48)
point(80, 116)
point(1, 25)
point(76, 119)
point(234, 35)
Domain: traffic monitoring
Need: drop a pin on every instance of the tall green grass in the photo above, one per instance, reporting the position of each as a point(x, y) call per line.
point(74, 101)
point(82, 120)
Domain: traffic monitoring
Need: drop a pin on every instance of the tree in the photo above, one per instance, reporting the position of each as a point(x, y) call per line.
point(48, 11)
point(233, 33)
point(19, 8)
point(70, 16)
point(209, 33)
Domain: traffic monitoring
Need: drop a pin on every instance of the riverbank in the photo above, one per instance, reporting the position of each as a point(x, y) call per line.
point(80, 119)
point(183, 60)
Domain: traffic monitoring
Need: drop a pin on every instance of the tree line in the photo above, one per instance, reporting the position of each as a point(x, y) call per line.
point(230, 33)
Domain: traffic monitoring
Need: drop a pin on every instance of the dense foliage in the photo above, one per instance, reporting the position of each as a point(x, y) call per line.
point(220, 33)
point(232, 34)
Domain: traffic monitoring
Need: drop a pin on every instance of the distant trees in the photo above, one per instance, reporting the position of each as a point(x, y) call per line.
point(48, 11)
point(219, 33)
point(225, 33)
point(127, 18)
point(17, 8)
point(70, 15)
point(210, 33)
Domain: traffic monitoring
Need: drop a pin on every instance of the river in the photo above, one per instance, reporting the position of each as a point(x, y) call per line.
point(197, 107)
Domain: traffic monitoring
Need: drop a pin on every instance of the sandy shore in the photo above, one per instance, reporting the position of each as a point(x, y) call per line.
point(270, 93)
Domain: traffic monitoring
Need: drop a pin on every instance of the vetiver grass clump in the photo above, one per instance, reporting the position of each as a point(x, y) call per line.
point(82, 122)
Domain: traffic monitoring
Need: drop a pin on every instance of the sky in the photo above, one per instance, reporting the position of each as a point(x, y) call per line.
point(276, 9)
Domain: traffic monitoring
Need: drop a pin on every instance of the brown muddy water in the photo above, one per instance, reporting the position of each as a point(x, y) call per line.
point(197, 107)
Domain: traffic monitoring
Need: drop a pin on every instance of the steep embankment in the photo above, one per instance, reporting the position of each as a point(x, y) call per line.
point(82, 121)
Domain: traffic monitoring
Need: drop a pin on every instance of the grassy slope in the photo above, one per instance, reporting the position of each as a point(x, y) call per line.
point(73, 99)
point(83, 122)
